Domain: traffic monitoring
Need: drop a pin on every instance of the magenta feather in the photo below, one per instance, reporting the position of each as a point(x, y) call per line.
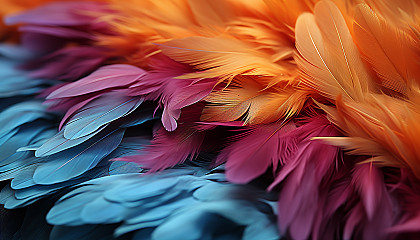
point(168, 149)
point(68, 63)
point(301, 176)
point(107, 77)
point(174, 94)
point(369, 183)
point(258, 149)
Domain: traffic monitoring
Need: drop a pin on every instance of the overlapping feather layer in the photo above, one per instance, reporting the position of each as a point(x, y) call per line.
point(210, 119)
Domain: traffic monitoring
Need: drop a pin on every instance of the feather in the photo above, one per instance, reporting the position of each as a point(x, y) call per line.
point(184, 84)
point(329, 60)
point(22, 113)
point(15, 52)
point(380, 126)
point(290, 11)
point(15, 83)
point(368, 182)
point(56, 32)
point(245, 99)
point(68, 63)
point(359, 223)
point(168, 149)
point(74, 107)
point(389, 50)
point(74, 162)
point(99, 112)
point(256, 151)
point(301, 177)
point(183, 97)
point(223, 58)
point(174, 94)
point(166, 195)
point(59, 143)
point(25, 136)
point(26, 191)
point(111, 76)
point(402, 14)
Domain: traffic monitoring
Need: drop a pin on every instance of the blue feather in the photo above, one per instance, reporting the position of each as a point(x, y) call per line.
point(171, 205)
point(93, 211)
point(8, 135)
point(59, 143)
point(98, 113)
point(119, 167)
point(24, 178)
point(75, 161)
point(20, 114)
point(26, 135)
point(27, 191)
point(41, 138)
point(140, 116)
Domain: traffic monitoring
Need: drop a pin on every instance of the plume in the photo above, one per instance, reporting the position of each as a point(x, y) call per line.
point(389, 50)
point(245, 99)
point(380, 126)
point(329, 59)
point(160, 154)
point(224, 58)
point(257, 150)
point(106, 77)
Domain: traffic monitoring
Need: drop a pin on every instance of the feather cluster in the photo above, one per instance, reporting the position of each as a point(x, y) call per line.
point(210, 119)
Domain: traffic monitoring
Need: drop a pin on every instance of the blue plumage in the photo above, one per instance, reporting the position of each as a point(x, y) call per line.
point(168, 202)
point(98, 113)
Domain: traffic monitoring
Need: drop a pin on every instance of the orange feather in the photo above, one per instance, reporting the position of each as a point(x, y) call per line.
point(388, 50)
point(380, 126)
point(225, 58)
point(247, 100)
point(329, 60)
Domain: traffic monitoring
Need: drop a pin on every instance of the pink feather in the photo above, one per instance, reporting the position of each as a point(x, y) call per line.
point(173, 93)
point(168, 149)
point(302, 174)
point(257, 150)
point(369, 183)
point(107, 77)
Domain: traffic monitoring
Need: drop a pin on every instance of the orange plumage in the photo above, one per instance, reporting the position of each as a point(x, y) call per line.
point(378, 125)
